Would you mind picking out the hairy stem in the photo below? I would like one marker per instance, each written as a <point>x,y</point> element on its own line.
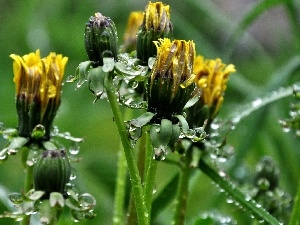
<point>150,173</point>
<point>118,218</point>
<point>28,183</point>
<point>183,190</point>
<point>137,189</point>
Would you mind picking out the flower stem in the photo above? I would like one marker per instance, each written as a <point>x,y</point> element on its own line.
<point>142,212</point>
<point>120,189</point>
<point>150,173</point>
<point>28,183</point>
<point>295,217</point>
<point>183,190</point>
<point>237,195</point>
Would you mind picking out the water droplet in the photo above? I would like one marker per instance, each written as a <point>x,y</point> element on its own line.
<point>12,152</point>
<point>77,215</point>
<point>73,174</point>
<point>160,153</point>
<point>257,102</point>
<point>16,198</point>
<point>86,201</point>
<point>74,149</point>
<point>229,200</point>
<point>134,132</point>
<point>32,157</point>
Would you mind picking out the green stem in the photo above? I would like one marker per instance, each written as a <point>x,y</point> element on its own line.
<point>142,212</point>
<point>183,191</point>
<point>295,217</point>
<point>131,218</point>
<point>151,167</point>
<point>237,195</point>
<point>28,183</point>
<point>118,218</point>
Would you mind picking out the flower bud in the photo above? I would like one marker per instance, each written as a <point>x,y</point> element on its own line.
<point>101,39</point>
<point>267,170</point>
<point>134,21</point>
<point>156,25</point>
<point>52,172</point>
<point>171,81</point>
<point>211,81</point>
<point>38,87</point>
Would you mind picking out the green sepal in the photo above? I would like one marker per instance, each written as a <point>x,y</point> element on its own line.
<point>183,123</point>
<point>17,143</point>
<point>142,120</point>
<point>81,73</point>
<point>48,145</point>
<point>165,132</point>
<point>96,79</point>
<point>108,64</point>
<point>175,134</point>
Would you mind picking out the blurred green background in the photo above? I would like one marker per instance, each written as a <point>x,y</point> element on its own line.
<point>266,56</point>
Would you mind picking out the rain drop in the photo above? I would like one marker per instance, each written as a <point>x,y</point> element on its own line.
<point>86,201</point>
<point>16,198</point>
<point>77,215</point>
<point>73,174</point>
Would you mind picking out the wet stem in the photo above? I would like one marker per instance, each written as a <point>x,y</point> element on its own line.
<point>28,183</point>
<point>137,189</point>
<point>183,190</point>
<point>248,204</point>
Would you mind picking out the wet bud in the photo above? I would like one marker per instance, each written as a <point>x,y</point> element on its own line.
<point>171,81</point>
<point>156,25</point>
<point>211,81</point>
<point>38,87</point>
<point>134,22</point>
<point>52,172</point>
<point>101,39</point>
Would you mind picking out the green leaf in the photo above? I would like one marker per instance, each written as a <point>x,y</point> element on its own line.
<point>165,197</point>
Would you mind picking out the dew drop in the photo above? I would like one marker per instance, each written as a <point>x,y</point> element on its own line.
<point>73,174</point>
<point>12,152</point>
<point>257,102</point>
<point>74,149</point>
<point>16,198</point>
<point>77,216</point>
<point>86,201</point>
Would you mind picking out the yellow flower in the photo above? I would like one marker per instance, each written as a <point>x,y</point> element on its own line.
<point>157,16</point>
<point>171,77</point>
<point>135,20</point>
<point>156,25</point>
<point>38,86</point>
<point>211,79</point>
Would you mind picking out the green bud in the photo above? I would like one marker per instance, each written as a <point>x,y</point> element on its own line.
<point>101,39</point>
<point>156,25</point>
<point>52,172</point>
<point>267,170</point>
<point>171,81</point>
